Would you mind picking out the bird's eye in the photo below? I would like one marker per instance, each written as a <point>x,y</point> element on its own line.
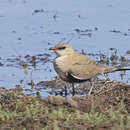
<point>61,48</point>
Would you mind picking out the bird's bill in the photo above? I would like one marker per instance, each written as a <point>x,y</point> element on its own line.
<point>52,48</point>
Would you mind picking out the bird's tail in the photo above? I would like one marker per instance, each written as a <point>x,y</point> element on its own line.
<point>122,69</point>
<point>114,69</point>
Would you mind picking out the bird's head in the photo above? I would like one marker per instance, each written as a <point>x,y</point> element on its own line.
<point>62,49</point>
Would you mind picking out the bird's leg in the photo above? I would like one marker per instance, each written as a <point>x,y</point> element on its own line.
<point>65,91</point>
<point>73,89</point>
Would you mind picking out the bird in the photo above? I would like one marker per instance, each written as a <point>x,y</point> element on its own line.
<point>74,67</point>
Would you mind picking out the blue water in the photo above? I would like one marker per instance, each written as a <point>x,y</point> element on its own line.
<point>22,31</point>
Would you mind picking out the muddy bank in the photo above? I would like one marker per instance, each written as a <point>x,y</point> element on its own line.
<point>108,109</point>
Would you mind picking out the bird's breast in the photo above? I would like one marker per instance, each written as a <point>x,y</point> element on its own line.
<point>62,63</point>
<point>61,67</point>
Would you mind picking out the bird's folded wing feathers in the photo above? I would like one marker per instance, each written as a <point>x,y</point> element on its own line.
<point>84,71</point>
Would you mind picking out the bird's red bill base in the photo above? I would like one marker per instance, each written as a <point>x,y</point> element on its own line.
<point>53,48</point>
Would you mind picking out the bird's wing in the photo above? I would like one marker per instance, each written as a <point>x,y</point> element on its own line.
<point>87,71</point>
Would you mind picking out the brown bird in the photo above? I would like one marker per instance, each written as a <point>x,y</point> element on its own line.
<point>74,67</point>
